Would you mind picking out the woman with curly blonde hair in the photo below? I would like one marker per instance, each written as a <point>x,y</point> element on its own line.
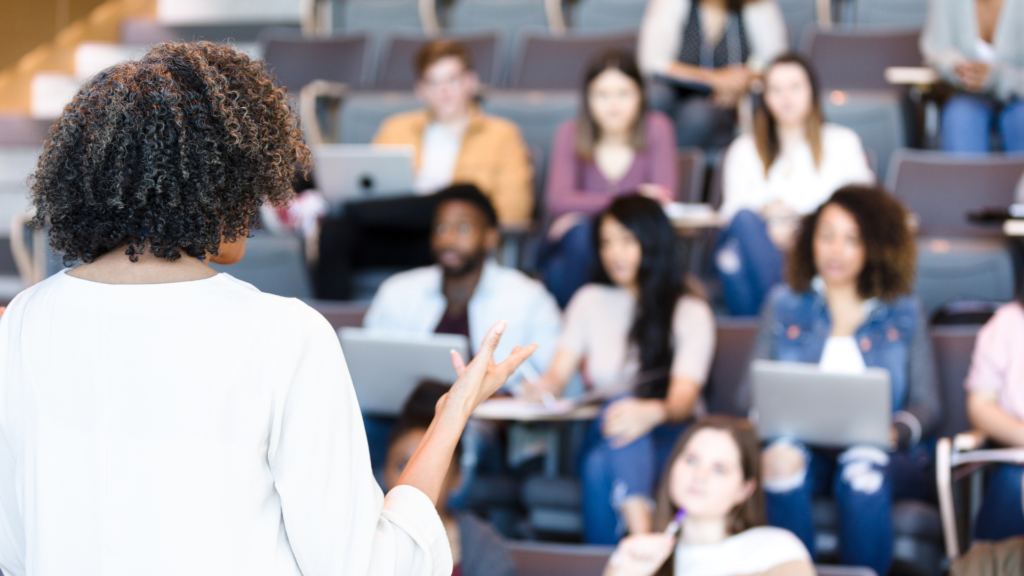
<point>847,306</point>
<point>158,417</point>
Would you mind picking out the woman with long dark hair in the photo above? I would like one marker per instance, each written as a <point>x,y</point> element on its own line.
<point>792,162</point>
<point>158,417</point>
<point>714,475</point>
<point>645,341</point>
<point>615,147</point>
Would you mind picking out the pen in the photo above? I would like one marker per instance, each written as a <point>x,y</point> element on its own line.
<point>673,527</point>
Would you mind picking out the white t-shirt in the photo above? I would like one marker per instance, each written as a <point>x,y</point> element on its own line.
<point>439,154</point>
<point>190,428</point>
<point>597,324</point>
<point>794,179</point>
<point>749,552</point>
<point>841,354</point>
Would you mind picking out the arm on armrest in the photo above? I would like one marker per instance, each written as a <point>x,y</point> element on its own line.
<point>970,440</point>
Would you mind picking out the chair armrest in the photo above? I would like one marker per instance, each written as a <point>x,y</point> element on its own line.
<point>970,440</point>
<point>308,97</point>
<point>911,75</point>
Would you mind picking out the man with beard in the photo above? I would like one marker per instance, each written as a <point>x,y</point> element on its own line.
<point>467,291</point>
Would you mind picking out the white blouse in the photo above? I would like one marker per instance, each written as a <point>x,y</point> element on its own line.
<point>750,552</point>
<point>190,428</point>
<point>794,179</point>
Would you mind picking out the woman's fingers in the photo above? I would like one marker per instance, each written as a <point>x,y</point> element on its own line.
<point>458,363</point>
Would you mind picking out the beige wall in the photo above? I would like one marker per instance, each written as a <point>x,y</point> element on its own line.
<point>25,24</point>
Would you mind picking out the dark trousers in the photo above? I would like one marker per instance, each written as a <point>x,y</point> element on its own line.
<point>392,233</point>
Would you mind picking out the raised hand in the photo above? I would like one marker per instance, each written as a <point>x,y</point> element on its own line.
<point>482,377</point>
<point>640,555</point>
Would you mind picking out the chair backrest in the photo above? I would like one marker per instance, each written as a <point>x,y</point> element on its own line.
<point>512,19</point>
<point>275,264</point>
<point>889,13</point>
<point>396,67</point>
<point>942,188</point>
<point>856,59</point>
<point>609,15</point>
<point>145,31</point>
<point>363,112</point>
<point>377,17</point>
<point>547,559</point>
<point>691,164</point>
<point>19,130</point>
<point>537,114</point>
<point>299,61</point>
<point>558,63</point>
<point>799,16</point>
<point>734,343</point>
<point>876,116</point>
<point>954,346</point>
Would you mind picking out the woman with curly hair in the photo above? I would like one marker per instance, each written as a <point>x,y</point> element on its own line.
<point>157,417</point>
<point>848,306</point>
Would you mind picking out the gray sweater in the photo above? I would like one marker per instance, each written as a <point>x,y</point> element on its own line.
<point>950,36</point>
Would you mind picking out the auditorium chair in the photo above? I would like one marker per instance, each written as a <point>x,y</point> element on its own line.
<point>608,15</point>
<point>297,61</point>
<point>559,62</point>
<point>856,59</point>
<point>274,263</point>
<point>511,18</point>
<point>876,116</point>
<point>957,260</point>
<point>397,71</point>
<point>909,14</point>
<point>146,31</point>
<point>691,165</point>
<point>536,113</point>
<point>380,20</point>
<point>362,113</point>
<point>799,15</point>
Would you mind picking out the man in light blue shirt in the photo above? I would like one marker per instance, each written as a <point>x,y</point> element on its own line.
<point>466,292</point>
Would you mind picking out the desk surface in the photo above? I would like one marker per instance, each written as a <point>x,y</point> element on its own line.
<point>520,411</point>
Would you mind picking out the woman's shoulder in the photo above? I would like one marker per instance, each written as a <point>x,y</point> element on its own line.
<point>1008,320</point>
<point>836,135</point>
<point>778,544</point>
<point>657,122</point>
<point>742,150</point>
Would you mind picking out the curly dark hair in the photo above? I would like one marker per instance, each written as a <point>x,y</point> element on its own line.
<point>889,250</point>
<point>173,153</point>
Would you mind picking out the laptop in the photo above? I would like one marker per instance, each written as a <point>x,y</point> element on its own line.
<point>354,172</point>
<point>386,367</point>
<point>801,402</point>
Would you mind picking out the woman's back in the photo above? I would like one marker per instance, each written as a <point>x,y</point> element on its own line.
<point>166,425</point>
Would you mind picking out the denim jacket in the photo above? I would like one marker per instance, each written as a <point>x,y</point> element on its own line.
<point>794,327</point>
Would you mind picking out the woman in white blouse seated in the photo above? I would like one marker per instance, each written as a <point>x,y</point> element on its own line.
<point>713,474</point>
<point>788,167</point>
<point>646,341</point>
<point>159,418</point>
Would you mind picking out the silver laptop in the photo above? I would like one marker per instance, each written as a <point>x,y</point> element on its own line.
<point>353,172</point>
<point>828,409</point>
<point>386,367</point>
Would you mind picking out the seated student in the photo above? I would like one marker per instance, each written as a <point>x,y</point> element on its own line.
<point>848,306</point>
<point>995,405</point>
<point>976,46</point>
<point>792,163</point>
<point>465,292</point>
<point>477,549</point>
<point>720,43</point>
<point>454,144</point>
<point>714,475</point>
<point>646,340</point>
<point>614,148</point>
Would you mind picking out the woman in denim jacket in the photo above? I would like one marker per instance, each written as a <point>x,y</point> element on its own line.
<point>848,306</point>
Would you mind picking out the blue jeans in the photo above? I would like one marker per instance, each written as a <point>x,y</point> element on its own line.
<point>1001,515</point>
<point>567,264</point>
<point>748,263</point>
<point>864,483</point>
<point>967,121</point>
<point>611,475</point>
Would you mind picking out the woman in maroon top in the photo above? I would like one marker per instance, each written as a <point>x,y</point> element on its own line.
<point>615,147</point>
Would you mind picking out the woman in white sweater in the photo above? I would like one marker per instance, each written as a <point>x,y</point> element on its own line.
<point>703,55</point>
<point>788,167</point>
<point>159,418</point>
